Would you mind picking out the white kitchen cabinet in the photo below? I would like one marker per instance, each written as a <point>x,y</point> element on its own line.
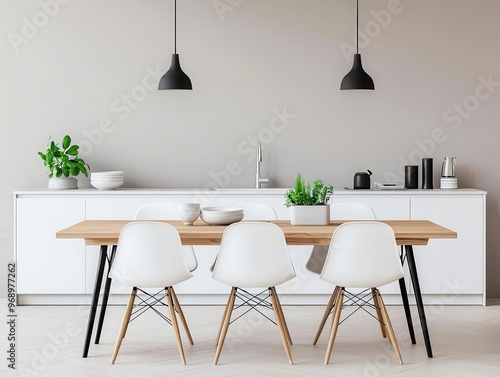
<point>452,268</point>
<point>386,207</point>
<point>54,270</point>
<point>46,265</point>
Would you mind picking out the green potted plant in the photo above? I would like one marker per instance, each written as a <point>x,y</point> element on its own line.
<point>63,164</point>
<point>309,203</point>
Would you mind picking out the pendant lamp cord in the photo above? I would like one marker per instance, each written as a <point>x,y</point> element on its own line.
<point>175,26</point>
<point>357,27</point>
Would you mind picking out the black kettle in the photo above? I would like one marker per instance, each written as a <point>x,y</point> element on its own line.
<point>362,180</point>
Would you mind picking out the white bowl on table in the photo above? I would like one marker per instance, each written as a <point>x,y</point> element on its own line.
<point>221,215</point>
<point>189,212</point>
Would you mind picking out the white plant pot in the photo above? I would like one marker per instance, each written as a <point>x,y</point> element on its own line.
<point>310,215</point>
<point>63,183</point>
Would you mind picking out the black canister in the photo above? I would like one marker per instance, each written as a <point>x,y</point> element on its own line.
<point>427,174</point>
<point>411,176</point>
<point>362,180</point>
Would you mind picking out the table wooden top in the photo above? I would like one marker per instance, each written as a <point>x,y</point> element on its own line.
<point>106,232</point>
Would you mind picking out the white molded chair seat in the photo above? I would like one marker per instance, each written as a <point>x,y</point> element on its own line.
<point>252,255</point>
<point>338,211</point>
<point>361,255</point>
<point>149,254</point>
<point>167,211</point>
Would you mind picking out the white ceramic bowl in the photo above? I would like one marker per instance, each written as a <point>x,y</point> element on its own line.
<point>106,179</point>
<point>189,207</point>
<point>189,216</point>
<point>222,209</point>
<point>221,215</point>
<point>100,185</point>
<point>108,173</point>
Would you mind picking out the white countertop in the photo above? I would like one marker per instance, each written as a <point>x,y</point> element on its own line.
<point>236,191</point>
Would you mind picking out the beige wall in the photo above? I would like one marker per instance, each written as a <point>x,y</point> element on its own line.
<point>266,70</point>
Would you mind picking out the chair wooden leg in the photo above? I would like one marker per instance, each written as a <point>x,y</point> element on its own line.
<point>282,315</point>
<point>181,315</point>
<point>335,324</point>
<point>377,305</point>
<point>125,321</point>
<point>225,324</point>
<point>223,317</point>
<point>328,309</point>
<point>390,330</point>
<point>175,325</point>
<point>281,324</point>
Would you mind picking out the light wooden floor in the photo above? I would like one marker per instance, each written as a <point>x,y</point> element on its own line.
<point>466,342</point>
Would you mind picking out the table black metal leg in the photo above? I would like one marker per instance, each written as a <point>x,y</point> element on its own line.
<point>105,297</point>
<point>95,298</point>
<point>406,304</point>
<point>418,297</point>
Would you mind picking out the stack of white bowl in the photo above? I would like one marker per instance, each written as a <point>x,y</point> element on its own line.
<point>107,180</point>
<point>449,182</point>
<point>221,215</point>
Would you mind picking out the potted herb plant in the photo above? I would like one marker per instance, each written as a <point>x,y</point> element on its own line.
<point>63,164</point>
<point>309,203</point>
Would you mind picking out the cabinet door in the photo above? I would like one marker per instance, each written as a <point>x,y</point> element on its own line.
<point>385,207</point>
<point>47,265</point>
<point>449,267</point>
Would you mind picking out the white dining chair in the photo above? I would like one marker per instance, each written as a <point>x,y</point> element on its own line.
<point>338,211</point>
<point>149,254</point>
<point>253,255</point>
<point>167,211</point>
<point>254,212</point>
<point>361,254</point>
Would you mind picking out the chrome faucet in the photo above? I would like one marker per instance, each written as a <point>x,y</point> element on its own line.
<point>258,178</point>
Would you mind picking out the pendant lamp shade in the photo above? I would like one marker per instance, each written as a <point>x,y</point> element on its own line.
<point>357,78</point>
<point>175,78</point>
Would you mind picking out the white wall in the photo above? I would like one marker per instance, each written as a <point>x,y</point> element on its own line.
<point>429,59</point>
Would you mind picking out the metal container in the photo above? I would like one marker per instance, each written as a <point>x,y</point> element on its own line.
<point>449,168</point>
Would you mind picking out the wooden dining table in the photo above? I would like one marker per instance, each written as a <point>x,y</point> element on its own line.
<point>105,233</point>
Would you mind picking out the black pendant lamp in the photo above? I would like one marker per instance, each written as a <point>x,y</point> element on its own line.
<point>175,78</point>
<point>357,78</point>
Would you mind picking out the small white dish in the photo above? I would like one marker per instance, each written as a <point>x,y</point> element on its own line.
<point>108,173</point>
<point>106,185</point>
<point>448,183</point>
